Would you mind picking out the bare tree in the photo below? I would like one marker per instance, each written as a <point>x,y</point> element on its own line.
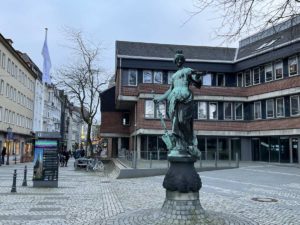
<point>239,17</point>
<point>82,79</point>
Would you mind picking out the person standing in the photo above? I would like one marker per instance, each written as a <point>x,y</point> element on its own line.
<point>3,153</point>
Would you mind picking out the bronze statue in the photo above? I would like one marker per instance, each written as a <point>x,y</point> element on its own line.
<point>182,142</point>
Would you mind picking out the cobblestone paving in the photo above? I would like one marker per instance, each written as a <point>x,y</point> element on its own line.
<point>92,198</point>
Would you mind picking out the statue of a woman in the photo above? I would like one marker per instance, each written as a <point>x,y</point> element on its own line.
<point>182,142</point>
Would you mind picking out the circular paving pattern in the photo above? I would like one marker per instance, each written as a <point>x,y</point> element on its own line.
<point>155,217</point>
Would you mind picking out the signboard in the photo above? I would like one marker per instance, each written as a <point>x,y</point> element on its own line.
<point>45,169</point>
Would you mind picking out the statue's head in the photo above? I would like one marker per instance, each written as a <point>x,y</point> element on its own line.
<point>179,59</point>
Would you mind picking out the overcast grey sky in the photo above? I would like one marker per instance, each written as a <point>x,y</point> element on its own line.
<point>104,21</point>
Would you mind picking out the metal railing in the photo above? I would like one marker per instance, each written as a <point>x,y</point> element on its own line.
<point>159,159</point>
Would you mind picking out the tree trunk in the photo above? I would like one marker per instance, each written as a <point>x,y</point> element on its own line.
<point>88,139</point>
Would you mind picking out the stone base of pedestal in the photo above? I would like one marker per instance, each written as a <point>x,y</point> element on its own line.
<point>186,210</point>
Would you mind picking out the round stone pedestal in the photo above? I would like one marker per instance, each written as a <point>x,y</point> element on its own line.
<point>182,206</point>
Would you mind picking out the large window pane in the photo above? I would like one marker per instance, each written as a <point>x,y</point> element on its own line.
<point>257,110</point>
<point>239,81</point>
<point>207,79</point>
<point>280,107</point>
<point>211,148</point>
<point>294,105</point>
<point>202,110</point>
<point>161,108</point>
<point>227,110</point>
<point>132,77</point>
<point>278,70</point>
<point>293,66</point>
<point>213,110</point>
<point>223,148</point>
<point>239,111</point>
<point>274,149</point>
<point>147,76</point>
<point>158,77</point>
<point>270,108</point>
<point>247,78</point>
<point>149,109</point>
<point>268,72</point>
<point>256,76</point>
<point>220,79</point>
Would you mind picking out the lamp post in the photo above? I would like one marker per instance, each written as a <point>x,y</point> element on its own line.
<point>9,137</point>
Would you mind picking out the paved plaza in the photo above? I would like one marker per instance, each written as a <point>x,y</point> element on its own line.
<point>95,198</point>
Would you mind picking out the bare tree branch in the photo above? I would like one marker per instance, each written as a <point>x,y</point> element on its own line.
<point>240,17</point>
<point>82,79</point>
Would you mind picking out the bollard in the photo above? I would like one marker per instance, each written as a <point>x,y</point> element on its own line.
<point>237,160</point>
<point>150,159</point>
<point>14,188</point>
<point>24,184</point>
<point>15,159</point>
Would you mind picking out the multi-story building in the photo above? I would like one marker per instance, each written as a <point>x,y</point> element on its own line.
<point>38,99</point>
<point>17,86</point>
<point>249,103</point>
<point>52,109</point>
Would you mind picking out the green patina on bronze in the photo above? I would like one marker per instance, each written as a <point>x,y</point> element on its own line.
<point>181,142</point>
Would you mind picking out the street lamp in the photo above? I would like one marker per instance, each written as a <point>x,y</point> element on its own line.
<point>9,137</point>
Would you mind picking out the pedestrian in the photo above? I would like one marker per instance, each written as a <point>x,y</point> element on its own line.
<point>67,156</point>
<point>3,153</point>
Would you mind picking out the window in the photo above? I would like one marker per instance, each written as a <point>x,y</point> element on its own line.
<point>132,77</point>
<point>256,77</point>
<point>228,111</point>
<point>161,109</point>
<point>220,79</point>
<point>207,79</point>
<point>202,110</point>
<point>8,65</point>
<point>247,78</point>
<point>147,76</point>
<point>293,66</point>
<point>257,110</point>
<point>280,107</point>
<point>2,87</point>
<point>149,109</point>
<point>278,70</point>
<point>6,115</point>
<point>213,111</point>
<point>239,111</point>
<point>294,105</point>
<point>7,90</point>
<point>170,74</point>
<point>3,60</point>
<point>158,77</point>
<point>270,108</point>
<point>268,72</point>
<point>239,80</point>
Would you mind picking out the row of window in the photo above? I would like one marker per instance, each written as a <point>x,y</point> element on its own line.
<point>13,118</point>
<point>16,72</point>
<point>16,96</point>
<point>206,110</point>
<point>272,71</point>
<point>275,108</point>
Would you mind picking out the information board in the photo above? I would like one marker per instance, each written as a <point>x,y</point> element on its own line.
<point>45,170</point>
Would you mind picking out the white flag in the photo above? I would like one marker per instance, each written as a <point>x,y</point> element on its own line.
<point>47,62</point>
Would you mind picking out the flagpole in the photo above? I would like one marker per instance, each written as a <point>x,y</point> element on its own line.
<point>43,89</point>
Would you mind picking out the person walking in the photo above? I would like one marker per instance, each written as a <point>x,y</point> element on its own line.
<point>3,153</point>
<point>67,157</point>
